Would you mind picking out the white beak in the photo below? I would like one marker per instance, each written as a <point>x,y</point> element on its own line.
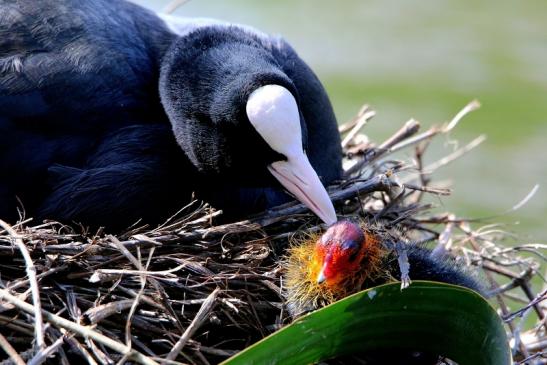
<point>298,177</point>
<point>321,277</point>
<point>273,112</point>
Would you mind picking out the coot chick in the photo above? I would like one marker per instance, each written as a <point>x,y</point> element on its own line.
<point>347,258</point>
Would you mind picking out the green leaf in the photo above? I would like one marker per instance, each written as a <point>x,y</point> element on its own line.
<point>427,316</point>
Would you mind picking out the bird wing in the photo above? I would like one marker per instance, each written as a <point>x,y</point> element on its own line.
<point>73,57</point>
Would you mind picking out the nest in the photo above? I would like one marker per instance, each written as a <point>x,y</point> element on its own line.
<point>191,291</point>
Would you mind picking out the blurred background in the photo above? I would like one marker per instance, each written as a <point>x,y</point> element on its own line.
<point>426,60</point>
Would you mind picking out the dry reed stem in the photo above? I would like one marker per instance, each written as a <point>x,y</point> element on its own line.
<point>76,328</point>
<point>31,274</point>
<point>198,320</point>
<point>8,349</point>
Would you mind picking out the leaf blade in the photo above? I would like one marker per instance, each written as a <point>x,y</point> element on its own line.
<point>434,317</point>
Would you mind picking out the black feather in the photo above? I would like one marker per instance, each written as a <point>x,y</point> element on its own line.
<point>86,137</point>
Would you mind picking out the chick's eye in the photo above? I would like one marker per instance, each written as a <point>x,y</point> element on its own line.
<point>350,245</point>
<point>352,248</point>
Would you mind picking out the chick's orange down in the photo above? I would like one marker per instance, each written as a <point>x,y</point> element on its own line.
<point>348,258</point>
<point>326,268</point>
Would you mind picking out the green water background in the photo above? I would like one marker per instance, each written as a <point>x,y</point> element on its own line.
<point>426,60</point>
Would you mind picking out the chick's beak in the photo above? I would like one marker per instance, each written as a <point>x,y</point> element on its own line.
<point>323,257</point>
<point>321,277</point>
<point>298,176</point>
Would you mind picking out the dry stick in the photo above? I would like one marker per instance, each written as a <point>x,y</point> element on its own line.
<point>419,152</point>
<point>138,297</point>
<point>33,282</point>
<point>42,355</point>
<point>347,126</point>
<point>514,283</point>
<point>528,292</point>
<point>198,320</point>
<point>532,357</point>
<point>171,220</point>
<point>174,5</point>
<point>146,299</point>
<point>514,208</point>
<point>522,281</point>
<point>8,349</point>
<point>18,224</point>
<point>99,274</point>
<point>79,347</point>
<point>17,325</point>
<point>449,158</point>
<point>541,297</point>
<point>97,314</point>
<point>494,284</point>
<point>80,330</point>
<point>433,131</point>
<point>99,354</point>
<point>471,106</point>
<point>427,189</point>
<point>165,301</point>
<point>125,252</point>
<point>137,263</point>
<point>172,362</point>
<point>18,284</point>
<point>361,122</point>
<point>201,357</point>
<point>254,224</point>
<point>143,346</point>
<point>455,155</point>
<point>408,129</point>
<point>445,240</point>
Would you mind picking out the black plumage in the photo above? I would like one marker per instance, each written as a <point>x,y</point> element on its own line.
<point>107,116</point>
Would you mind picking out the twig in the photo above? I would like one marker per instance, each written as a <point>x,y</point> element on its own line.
<point>532,357</point>
<point>347,126</point>
<point>97,314</point>
<point>42,355</point>
<point>409,128</point>
<point>174,5</point>
<point>8,349</point>
<point>33,282</point>
<point>361,122</point>
<point>455,155</point>
<point>198,320</point>
<point>445,240</point>
<point>433,131</point>
<point>471,106</point>
<point>78,347</point>
<point>81,330</point>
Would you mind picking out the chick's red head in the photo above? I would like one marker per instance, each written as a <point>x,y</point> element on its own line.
<point>338,253</point>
